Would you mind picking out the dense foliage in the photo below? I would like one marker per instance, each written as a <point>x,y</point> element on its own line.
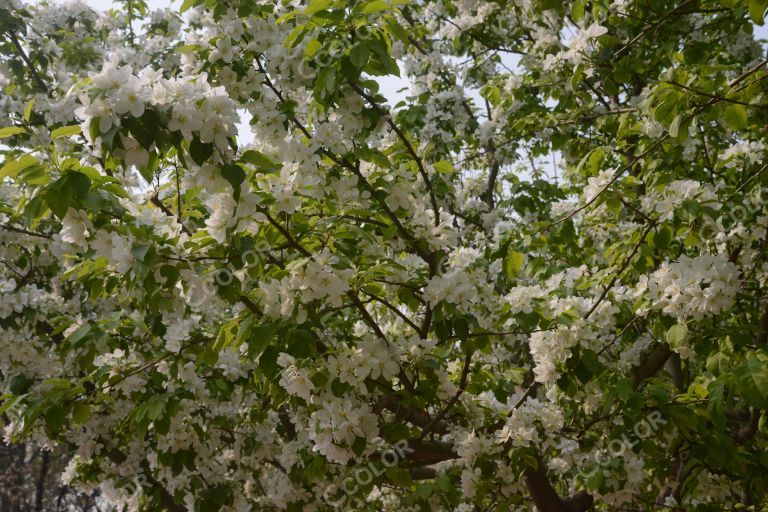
<point>537,282</point>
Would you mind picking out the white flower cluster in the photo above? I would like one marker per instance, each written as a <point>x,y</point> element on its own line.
<point>369,359</point>
<point>318,279</point>
<point>178,328</point>
<point>666,202</point>
<point>751,152</point>
<point>295,380</point>
<point>114,247</point>
<point>334,427</point>
<point>522,425</point>
<point>228,213</point>
<point>194,106</point>
<point>596,184</point>
<point>233,363</point>
<point>23,351</point>
<point>15,297</point>
<point>691,288</point>
<point>579,46</point>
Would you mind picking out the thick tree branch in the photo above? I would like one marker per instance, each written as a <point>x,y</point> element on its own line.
<point>652,363</point>
<point>545,496</point>
<point>410,414</point>
<point>426,453</point>
<point>40,485</point>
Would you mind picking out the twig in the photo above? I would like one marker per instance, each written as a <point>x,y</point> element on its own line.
<point>618,273</point>
<point>647,29</point>
<point>35,75</point>
<point>157,202</point>
<point>408,147</point>
<point>452,401</point>
<point>25,232</point>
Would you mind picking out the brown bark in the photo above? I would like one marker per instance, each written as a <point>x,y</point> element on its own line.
<point>40,485</point>
<point>545,496</point>
<point>652,363</point>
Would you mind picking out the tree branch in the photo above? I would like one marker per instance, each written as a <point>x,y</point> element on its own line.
<point>408,147</point>
<point>35,75</point>
<point>452,401</point>
<point>546,498</point>
<point>652,363</point>
<point>157,202</point>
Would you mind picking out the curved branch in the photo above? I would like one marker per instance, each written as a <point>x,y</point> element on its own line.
<point>408,147</point>
<point>655,360</point>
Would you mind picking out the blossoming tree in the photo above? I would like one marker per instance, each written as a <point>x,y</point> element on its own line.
<point>535,283</point>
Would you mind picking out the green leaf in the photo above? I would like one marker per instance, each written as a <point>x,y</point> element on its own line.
<point>757,10</point>
<point>752,378</point>
<point>200,152</point>
<point>55,417</point>
<point>20,384</point>
<point>259,160</point>
<point>145,128</point>
<point>375,6</point>
<point>156,407</point>
<point>28,109</point>
<point>140,251</point>
<point>78,182</point>
<point>663,237</point>
<point>718,363</point>
<point>358,446</point>
<point>596,159</point>
<point>577,10</point>
<point>65,131</point>
<point>10,131</point>
<point>444,167</point>
<point>716,391</point>
<point>81,413</point>
<point>614,204</point>
<point>358,55</point>
<point>10,402</point>
<point>592,160</point>
<point>234,174</point>
<point>12,168</point>
<point>514,263</point>
<point>676,335</point>
<point>188,4</point>
<point>58,203</point>
<point>268,362</point>
<point>674,128</point>
<point>736,116</point>
<point>595,479</point>
<point>317,6</point>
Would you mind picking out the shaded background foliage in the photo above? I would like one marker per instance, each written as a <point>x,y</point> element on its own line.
<point>29,482</point>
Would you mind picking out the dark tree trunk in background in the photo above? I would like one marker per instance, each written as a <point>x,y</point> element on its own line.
<point>40,490</point>
<point>31,483</point>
